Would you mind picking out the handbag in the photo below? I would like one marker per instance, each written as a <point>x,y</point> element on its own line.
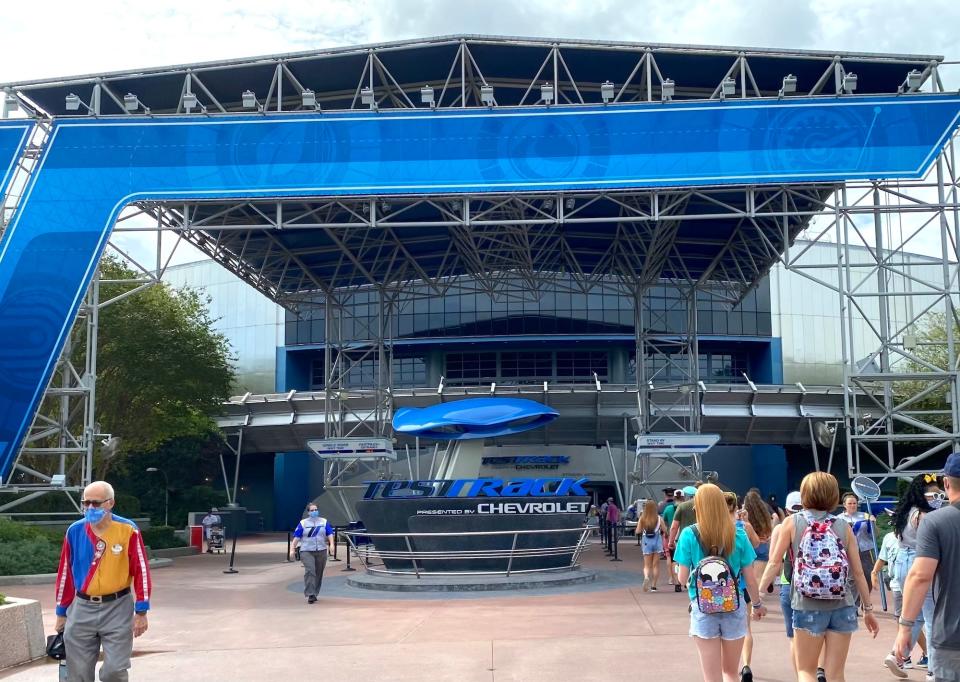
<point>55,647</point>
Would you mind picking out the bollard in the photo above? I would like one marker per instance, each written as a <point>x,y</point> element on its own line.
<point>289,541</point>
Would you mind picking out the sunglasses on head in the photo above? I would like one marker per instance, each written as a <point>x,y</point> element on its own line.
<point>91,503</point>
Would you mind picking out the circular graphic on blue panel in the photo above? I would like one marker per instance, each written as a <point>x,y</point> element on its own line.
<point>820,140</point>
<point>282,155</point>
<point>540,150</point>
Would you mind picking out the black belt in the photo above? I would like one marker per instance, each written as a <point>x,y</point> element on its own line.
<point>103,598</point>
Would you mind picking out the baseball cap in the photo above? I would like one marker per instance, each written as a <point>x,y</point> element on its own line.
<point>794,503</point>
<point>668,491</point>
<point>952,467</point>
<point>689,491</point>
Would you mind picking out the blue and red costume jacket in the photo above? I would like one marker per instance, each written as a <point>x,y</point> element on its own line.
<point>103,565</point>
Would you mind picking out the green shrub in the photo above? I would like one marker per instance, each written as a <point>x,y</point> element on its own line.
<point>161,537</point>
<point>26,557</point>
<point>127,505</point>
<point>3,599</point>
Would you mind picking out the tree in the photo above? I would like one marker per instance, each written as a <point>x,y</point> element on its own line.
<point>162,370</point>
<point>931,354</point>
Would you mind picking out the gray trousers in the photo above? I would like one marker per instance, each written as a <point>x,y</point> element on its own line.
<point>90,626</point>
<point>313,565</point>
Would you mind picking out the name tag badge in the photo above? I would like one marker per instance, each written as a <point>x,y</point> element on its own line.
<point>117,549</point>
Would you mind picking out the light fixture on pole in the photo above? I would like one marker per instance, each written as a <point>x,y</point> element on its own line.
<point>72,102</point>
<point>368,97</point>
<point>308,98</point>
<point>914,79</point>
<point>10,101</point>
<point>249,100</point>
<point>667,89</point>
<point>486,95</point>
<point>131,102</point>
<point>427,96</point>
<point>166,493</point>
<point>789,85</point>
<point>190,102</point>
<point>849,82</point>
<point>606,91</point>
<point>546,93</point>
<point>728,87</point>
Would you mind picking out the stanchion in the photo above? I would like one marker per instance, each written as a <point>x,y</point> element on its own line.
<point>616,546</point>
<point>347,567</point>
<point>336,535</point>
<point>289,541</point>
<point>233,552</point>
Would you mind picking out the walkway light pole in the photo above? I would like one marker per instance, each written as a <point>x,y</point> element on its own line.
<point>166,494</point>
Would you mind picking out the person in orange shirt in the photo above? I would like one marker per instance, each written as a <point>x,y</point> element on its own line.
<point>102,562</point>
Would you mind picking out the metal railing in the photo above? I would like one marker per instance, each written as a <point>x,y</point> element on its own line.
<point>375,559</point>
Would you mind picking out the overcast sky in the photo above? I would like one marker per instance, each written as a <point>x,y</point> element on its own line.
<point>72,37</point>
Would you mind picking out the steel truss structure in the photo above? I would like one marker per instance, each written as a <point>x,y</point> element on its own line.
<point>517,245</point>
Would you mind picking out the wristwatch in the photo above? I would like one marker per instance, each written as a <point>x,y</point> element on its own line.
<point>906,623</point>
<point>867,608</point>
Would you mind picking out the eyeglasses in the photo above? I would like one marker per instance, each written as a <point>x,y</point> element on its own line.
<point>935,496</point>
<point>92,503</point>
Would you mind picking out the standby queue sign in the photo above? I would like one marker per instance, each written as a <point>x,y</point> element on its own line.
<point>552,495</point>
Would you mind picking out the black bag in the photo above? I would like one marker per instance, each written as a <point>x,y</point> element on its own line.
<point>55,648</point>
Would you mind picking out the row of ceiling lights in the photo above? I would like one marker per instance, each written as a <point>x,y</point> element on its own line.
<point>728,87</point>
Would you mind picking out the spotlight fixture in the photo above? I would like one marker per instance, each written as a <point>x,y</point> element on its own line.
<point>249,99</point>
<point>368,97</point>
<point>569,203</point>
<point>667,89</point>
<point>548,204</point>
<point>308,98</point>
<point>486,95</point>
<point>426,96</point>
<point>914,79</point>
<point>131,102</point>
<point>789,85</point>
<point>72,102</point>
<point>606,91</point>
<point>10,101</point>
<point>728,87</point>
<point>189,101</point>
<point>546,93</point>
<point>849,82</point>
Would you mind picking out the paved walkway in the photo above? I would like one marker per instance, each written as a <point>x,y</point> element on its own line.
<point>255,625</point>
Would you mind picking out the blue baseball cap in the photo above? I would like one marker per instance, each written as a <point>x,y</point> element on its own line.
<point>689,491</point>
<point>952,467</point>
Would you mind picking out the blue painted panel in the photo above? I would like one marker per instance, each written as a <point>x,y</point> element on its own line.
<point>91,168</point>
<point>473,418</point>
<point>13,138</point>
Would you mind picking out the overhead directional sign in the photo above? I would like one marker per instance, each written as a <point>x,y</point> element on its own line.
<point>353,448</point>
<point>675,444</point>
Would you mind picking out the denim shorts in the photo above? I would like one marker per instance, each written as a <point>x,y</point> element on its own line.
<point>723,625</point>
<point>842,620</point>
<point>787,608</point>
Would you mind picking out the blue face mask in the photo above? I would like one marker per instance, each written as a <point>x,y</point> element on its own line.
<point>94,514</point>
<point>314,513</point>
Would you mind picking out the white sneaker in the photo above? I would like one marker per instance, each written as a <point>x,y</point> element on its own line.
<point>894,666</point>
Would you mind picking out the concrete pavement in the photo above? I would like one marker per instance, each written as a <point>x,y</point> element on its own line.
<point>256,625</point>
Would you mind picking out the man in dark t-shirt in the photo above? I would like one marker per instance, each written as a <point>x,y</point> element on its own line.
<point>667,499</point>
<point>937,563</point>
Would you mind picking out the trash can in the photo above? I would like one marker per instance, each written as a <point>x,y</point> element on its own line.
<point>195,537</point>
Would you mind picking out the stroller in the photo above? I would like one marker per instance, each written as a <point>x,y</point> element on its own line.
<point>215,541</point>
